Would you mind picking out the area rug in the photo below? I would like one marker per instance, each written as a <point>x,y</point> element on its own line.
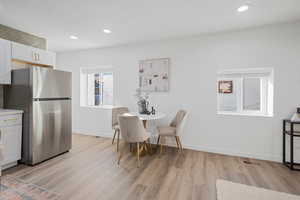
<point>15,189</point>
<point>227,190</point>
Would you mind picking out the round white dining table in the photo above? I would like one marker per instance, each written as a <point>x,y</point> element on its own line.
<point>146,118</point>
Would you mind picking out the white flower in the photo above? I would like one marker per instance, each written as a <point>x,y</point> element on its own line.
<point>141,95</point>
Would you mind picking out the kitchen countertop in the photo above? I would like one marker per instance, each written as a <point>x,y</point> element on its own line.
<point>10,112</point>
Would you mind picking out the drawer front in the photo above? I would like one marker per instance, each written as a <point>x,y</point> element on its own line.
<point>11,120</point>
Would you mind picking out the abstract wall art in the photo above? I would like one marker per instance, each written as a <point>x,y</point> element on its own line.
<point>154,75</point>
<point>225,87</point>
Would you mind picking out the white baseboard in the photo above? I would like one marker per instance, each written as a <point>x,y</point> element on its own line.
<point>233,153</point>
<point>205,149</point>
<point>98,134</point>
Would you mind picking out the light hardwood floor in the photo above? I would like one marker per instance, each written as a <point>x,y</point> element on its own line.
<point>90,171</point>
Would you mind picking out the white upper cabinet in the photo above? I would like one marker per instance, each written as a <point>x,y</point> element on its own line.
<point>45,57</point>
<point>5,61</point>
<point>32,55</point>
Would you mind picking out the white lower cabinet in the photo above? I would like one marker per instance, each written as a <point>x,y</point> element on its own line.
<point>11,139</point>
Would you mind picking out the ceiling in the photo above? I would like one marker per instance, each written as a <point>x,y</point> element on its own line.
<point>135,21</point>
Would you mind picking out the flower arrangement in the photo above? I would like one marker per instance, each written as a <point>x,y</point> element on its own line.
<point>140,95</point>
<point>142,102</point>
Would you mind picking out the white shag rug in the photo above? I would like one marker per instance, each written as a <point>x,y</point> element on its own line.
<point>227,190</point>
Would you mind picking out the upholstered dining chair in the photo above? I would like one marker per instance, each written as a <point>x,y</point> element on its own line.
<point>115,125</point>
<point>133,131</point>
<point>175,129</point>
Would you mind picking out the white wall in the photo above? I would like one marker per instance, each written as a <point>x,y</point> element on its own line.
<point>194,65</point>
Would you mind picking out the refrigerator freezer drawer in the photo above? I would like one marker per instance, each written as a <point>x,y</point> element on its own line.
<point>51,130</point>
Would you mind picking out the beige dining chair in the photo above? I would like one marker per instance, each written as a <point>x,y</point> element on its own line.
<point>175,129</point>
<point>115,125</point>
<point>133,131</point>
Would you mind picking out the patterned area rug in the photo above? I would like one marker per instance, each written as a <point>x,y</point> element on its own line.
<point>15,189</point>
<point>227,190</point>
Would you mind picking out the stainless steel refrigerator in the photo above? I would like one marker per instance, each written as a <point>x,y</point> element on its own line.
<point>45,97</point>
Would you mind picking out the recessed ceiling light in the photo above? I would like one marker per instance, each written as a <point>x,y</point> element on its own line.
<point>73,37</point>
<point>106,31</point>
<point>243,8</point>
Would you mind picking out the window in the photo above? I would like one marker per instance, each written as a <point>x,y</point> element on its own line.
<point>96,87</point>
<point>246,92</point>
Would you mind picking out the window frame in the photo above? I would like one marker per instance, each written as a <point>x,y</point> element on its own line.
<point>84,87</point>
<point>265,75</point>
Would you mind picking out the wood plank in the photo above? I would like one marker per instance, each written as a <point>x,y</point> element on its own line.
<point>90,171</point>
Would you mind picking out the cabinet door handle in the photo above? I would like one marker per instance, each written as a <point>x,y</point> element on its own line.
<point>10,119</point>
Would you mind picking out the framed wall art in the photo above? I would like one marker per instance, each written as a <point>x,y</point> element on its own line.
<point>225,87</point>
<point>154,75</point>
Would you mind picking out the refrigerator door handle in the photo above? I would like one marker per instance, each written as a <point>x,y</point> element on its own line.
<point>51,99</point>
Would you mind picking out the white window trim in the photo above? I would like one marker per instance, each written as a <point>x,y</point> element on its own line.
<point>266,76</point>
<point>84,82</point>
<point>100,106</point>
<point>243,114</point>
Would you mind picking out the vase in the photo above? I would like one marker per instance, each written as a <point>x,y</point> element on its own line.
<point>295,117</point>
<point>143,106</point>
